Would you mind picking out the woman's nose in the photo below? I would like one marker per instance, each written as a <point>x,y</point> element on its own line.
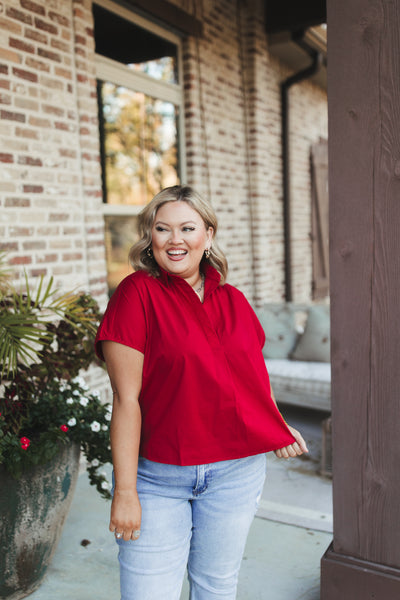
<point>175,237</point>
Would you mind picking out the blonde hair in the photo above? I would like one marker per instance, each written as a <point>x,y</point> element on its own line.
<point>138,256</point>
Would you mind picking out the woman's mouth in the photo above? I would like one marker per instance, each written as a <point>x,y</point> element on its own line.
<point>176,254</point>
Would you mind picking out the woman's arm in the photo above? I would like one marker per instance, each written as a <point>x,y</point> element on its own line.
<point>125,369</point>
<point>295,449</point>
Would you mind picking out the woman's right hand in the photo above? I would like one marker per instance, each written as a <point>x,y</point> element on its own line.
<point>126,514</point>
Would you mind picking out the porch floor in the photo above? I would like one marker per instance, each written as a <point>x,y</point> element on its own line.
<point>282,558</point>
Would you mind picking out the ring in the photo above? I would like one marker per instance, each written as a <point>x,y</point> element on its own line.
<point>118,535</point>
<point>136,533</point>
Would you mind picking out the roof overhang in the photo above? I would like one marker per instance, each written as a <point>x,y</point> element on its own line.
<point>294,29</point>
<point>293,15</point>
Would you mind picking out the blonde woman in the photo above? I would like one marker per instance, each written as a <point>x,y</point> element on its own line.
<point>193,412</point>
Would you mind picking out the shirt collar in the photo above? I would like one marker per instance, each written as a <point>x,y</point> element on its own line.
<point>212,278</point>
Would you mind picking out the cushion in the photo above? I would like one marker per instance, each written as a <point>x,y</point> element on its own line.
<point>315,342</point>
<point>278,322</point>
<point>301,383</point>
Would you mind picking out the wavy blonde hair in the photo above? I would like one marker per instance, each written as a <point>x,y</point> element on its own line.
<point>138,256</point>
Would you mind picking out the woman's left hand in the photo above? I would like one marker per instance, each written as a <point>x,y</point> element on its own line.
<point>295,449</point>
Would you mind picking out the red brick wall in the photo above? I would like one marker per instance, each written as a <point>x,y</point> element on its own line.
<point>49,183</point>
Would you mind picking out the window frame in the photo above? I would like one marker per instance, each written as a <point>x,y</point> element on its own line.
<point>107,69</point>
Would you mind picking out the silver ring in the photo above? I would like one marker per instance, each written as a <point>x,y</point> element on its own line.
<point>118,535</point>
<point>136,533</point>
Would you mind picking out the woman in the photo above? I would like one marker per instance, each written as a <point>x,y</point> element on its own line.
<point>193,410</point>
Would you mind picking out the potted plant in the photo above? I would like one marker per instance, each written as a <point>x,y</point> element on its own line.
<point>48,415</point>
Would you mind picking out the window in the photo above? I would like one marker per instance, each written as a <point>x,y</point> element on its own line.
<point>139,144</point>
<point>141,122</point>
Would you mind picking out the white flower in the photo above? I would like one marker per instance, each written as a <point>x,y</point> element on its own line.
<point>72,422</point>
<point>70,400</point>
<point>109,408</point>
<point>76,393</point>
<point>107,417</point>
<point>95,462</point>
<point>105,485</point>
<point>104,427</point>
<point>96,394</point>
<point>64,384</point>
<point>80,381</point>
<point>95,426</point>
<point>84,401</point>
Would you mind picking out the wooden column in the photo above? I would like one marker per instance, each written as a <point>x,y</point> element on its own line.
<point>364,178</point>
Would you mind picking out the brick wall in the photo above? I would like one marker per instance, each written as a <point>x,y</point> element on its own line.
<point>234,147</point>
<point>216,131</point>
<point>49,180</point>
<point>50,190</point>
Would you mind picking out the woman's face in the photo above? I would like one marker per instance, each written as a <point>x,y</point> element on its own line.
<point>179,238</point>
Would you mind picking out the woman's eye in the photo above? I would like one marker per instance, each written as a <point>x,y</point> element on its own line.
<point>159,228</point>
<point>188,229</point>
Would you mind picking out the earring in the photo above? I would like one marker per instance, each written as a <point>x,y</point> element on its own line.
<point>207,252</point>
<point>149,252</point>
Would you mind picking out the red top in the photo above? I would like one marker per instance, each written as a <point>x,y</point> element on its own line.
<point>205,394</point>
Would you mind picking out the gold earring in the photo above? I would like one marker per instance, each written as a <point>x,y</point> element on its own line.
<point>207,252</point>
<point>149,252</point>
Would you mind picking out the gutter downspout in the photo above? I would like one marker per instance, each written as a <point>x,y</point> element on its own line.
<point>285,86</point>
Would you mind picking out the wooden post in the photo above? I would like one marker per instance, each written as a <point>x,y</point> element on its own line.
<point>364,178</point>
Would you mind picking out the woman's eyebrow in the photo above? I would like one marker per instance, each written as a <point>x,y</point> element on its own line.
<point>168,224</point>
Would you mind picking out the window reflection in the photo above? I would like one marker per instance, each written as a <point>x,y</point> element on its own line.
<point>120,235</point>
<point>140,145</point>
<point>163,69</point>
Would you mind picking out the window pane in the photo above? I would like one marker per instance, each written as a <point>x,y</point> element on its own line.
<point>134,46</point>
<point>140,145</point>
<point>120,235</point>
<point>163,69</point>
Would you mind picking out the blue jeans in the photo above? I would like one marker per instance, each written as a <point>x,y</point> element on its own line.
<point>195,517</point>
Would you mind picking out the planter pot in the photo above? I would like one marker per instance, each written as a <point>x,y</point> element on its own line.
<point>33,510</point>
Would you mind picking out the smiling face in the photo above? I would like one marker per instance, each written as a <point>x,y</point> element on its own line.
<point>179,238</point>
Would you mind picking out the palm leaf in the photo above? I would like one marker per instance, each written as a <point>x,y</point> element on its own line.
<point>19,334</point>
<point>4,275</point>
<point>26,316</point>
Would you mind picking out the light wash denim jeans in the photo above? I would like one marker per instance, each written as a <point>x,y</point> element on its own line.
<point>195,517</point>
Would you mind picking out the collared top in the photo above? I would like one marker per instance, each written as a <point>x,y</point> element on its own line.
<point>205,394</point>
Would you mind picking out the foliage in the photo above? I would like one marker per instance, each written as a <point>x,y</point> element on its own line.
<point>33,427</point>
<point>45,341</point>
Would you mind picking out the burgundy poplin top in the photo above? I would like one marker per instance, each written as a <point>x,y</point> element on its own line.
<point>205,394</point>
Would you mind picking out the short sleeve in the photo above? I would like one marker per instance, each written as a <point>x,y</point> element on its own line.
<point>125,318</point>
<point>259,329</point>
<point>243,308</point>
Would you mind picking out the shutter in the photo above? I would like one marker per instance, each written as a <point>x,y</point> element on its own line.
<point>320,219</point>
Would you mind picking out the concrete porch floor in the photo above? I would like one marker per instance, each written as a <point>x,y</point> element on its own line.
<point>288,537</point>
